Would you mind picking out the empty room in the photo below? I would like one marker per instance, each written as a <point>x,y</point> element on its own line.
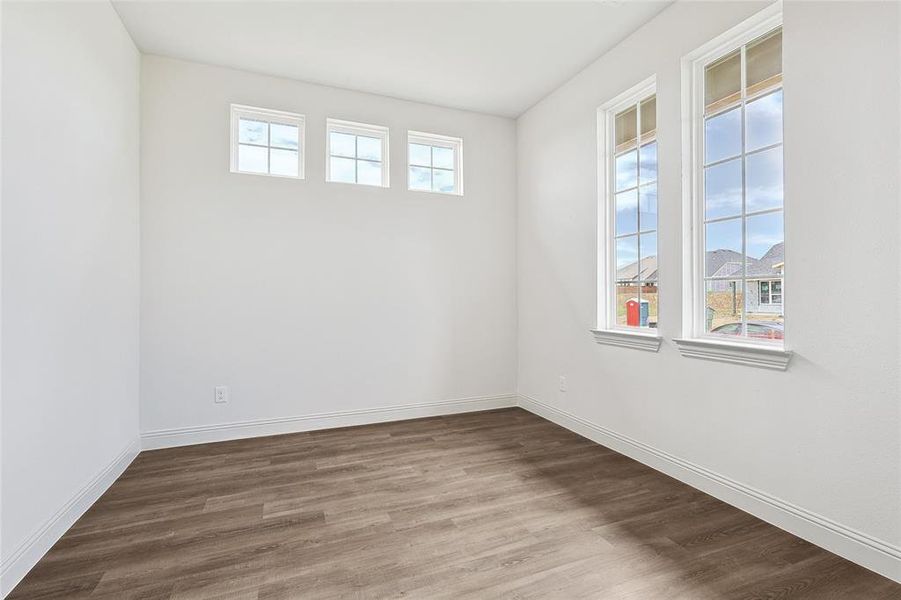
<point>450,300</point>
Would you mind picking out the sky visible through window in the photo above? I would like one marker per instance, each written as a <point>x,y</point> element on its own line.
<point>432,168</point>
<point>268,148</point>
<point>355,158</point>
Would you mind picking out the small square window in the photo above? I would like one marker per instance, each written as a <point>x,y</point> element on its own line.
<point>434,163</point>
<point>357,153</point>
<point>266,142</point>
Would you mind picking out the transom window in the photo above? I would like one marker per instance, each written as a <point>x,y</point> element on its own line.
<point>738,209</point>
<point>628,129</point>
<point>266,142</point>
<point>357,153</point>
<point>434,163</point>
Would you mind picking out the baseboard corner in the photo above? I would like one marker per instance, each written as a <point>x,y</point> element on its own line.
<point>30,551</point>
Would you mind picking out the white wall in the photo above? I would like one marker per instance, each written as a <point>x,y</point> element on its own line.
<point>306,297</point>
<point>70,265</point>
<point>823,436</point>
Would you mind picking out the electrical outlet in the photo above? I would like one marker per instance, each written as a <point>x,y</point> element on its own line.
<point>221,396</point>
<point>562,383</point>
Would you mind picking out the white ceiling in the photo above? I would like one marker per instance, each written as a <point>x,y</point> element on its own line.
<point>492,57</point>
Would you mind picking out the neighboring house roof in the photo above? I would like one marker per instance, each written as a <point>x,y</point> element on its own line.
<point>771,264</point>
<point>723,263</point>
<point>631,272</point>
<point>719,263</point>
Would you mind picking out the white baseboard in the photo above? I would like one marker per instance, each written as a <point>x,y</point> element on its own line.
<point>186,436</point>
<point>23,558</point>
<point>874,554</point>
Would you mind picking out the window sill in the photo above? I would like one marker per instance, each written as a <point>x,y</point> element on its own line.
<point>627,339</point>
<point>739,354</point>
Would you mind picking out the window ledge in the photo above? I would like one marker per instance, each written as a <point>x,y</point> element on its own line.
<point>627,339</point>
<point>739,354</point>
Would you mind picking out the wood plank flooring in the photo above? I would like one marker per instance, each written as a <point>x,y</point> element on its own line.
<point>498,504</point>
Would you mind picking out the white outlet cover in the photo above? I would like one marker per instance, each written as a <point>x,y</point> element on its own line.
<point>221,395</point>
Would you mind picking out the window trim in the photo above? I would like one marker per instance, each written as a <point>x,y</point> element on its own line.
<point>441,141</point>
<point>279,117</point>
<point>608,332</point>
<point>695,342</point>
<point>357,129</point>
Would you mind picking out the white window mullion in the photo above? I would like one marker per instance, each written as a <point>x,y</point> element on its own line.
<point>744,188</point>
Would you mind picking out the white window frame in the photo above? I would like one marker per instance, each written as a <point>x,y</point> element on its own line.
<point>608,332</point>
<point>696,342</point>
<point>358,129</point>
<point>239,111</point>
<point>441,141</point>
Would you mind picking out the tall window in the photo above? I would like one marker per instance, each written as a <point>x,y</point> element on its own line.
<point>629,137</point>
<point>266,142</point>
<point>434,163</point>
<point>738,209</point>
<point>357,153</point>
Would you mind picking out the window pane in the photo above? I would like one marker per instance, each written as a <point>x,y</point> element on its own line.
<point>369,173</point>
<point>648,117</point>
<point>764,180</point>
<point>764,311</point>
<point>342,170</point>
<point>722,136</point>
<point>647,245</point>
<point>647,205</point>
<point>723,247</point>
<point>253,132</point>
<point>283,162</point>
<point>625,291</point>
<point>724,306</point>
<point>443,180</point>
<point>252,159</point>
<point>764,117</point>
<point>765,330</point>
<point>626,170</point>
<point>722,81</point>
<point>649,295</point>
<point>764,57</point>
<point>625,129</point>
<point>342,144</point>
<point>420,179</point>
<point>765,244</point>
<point>369,148</point>
<point>443,158</point>
<point>722,189</point>
<point>633,304</point>
<point>648,163</point>
<point>627,257</point>
<point>420,155</point>
<point>283,136</point>
<point>626,212</point>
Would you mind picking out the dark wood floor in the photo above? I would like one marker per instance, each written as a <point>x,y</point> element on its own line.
<point>499,504</point>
